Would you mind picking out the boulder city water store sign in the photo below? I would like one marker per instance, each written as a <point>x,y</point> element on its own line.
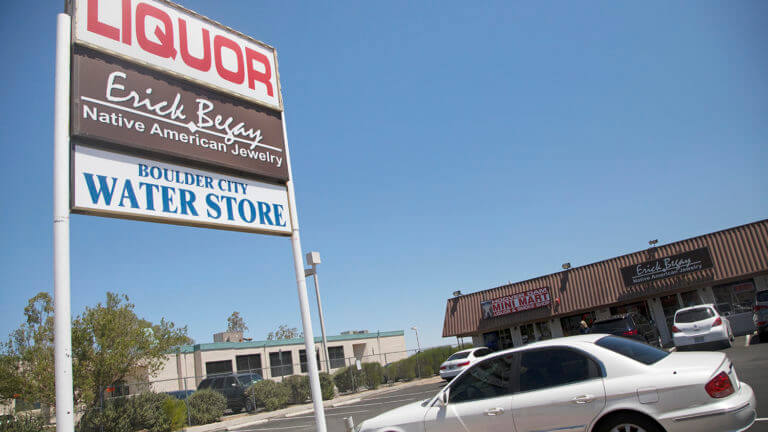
<point>170,118</point>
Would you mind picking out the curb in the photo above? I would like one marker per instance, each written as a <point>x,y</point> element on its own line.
<point>242,425</point>
<point>298,413</point>
<point>347,402</point>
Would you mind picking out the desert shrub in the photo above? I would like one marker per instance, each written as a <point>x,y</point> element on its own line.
<point>327,386</point>
<point>175,411</point>
<point>270,395</point>
<point>23,423</point>
<point>373,375</point>
<point>146,412</point>
<point>206,406</point>
<point>298,385</point>
<point>348,379</point>
<point>423,364</point>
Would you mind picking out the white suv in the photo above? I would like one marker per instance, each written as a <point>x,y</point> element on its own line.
<point>700,325</point>
<point>461,360</point>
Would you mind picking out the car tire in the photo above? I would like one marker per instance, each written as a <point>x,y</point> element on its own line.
<point>628,422</point>
<point>249,407</point>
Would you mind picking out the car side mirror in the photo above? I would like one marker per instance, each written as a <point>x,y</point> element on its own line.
<point>233,385</point>
<point>442,398</point>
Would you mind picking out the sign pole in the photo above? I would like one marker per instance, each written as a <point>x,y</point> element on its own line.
<point>301,284</point>
<point>65,420</point>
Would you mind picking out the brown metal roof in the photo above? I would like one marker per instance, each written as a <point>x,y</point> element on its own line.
<point>736,253</point>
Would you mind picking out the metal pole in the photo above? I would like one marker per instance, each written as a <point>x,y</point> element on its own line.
<point>322,321</point>
<point>65,419</point>
<point>301,286</point>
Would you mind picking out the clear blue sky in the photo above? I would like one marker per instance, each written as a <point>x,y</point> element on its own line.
<point>437,146</point>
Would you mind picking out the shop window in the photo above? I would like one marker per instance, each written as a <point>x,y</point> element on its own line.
<point>303,360</point>
<point>572,324</point>
<point>670,305</point>
<point>735,298</point>
<point>690,298</point>
<point>526,331</point>
<point>505,339</point>
<point>336,355</point>
<point>248,363</point>
<point>281,363</point>
<point>491,340</point>
<point>218,367</point>
<point>640,307</point>
<point>544,331</point>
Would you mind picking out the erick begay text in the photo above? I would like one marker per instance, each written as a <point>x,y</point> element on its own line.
<point>167,199</point>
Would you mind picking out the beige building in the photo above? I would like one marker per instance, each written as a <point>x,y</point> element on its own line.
<point>274,359</point>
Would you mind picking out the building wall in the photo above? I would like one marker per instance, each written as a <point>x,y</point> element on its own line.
<point>190,367</point>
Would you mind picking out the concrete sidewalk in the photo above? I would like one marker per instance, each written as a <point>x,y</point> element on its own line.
<point>237,421</point>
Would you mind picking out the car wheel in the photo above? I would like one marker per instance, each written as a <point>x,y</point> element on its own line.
<point>249,405</point>
<point>628,422</point>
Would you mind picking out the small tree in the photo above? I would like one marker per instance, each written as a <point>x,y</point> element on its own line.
<point>284,332</point>
<point>236,323</point>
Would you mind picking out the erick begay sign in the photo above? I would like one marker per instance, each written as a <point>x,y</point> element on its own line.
<point>527,300</point>
<point>686,262</point>
<point>115,184</point>
<point>121,103</point>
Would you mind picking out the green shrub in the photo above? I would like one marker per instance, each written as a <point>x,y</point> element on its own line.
<point>175,411</point>
<point>298,385</point>
<point>114,416</point>
<point>146,412</point>
<point>348,379</point>
<point>423,364</point>
<point>206,406</point>
<point>326,386</point>
<point>270,395</point>
<point>373,375</point>
<point>23,423</point>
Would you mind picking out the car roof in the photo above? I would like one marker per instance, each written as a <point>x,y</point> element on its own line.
<point>560,341</point>
<point>612,317</point>
<point>696,307</point>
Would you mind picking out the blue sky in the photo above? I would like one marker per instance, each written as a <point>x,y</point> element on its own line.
<point>436,146</point>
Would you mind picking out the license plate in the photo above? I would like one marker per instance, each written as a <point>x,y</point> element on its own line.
<point>698,339</point>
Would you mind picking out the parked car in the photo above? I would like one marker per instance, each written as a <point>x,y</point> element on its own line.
<point>461,360</point>
<point>632,325</point>
<point>593,382</point>
<point>760,316</point>
<point>233,387</point>
<point>701,325</point>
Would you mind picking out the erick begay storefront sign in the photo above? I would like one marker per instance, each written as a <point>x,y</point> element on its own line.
<point>662,268</point>
<point>527,300</point>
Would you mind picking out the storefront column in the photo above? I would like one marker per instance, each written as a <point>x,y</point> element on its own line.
<point>761,282</point>
<point>707,296</point>
<point>536,334</point>
<point>657,314</point>
<point>556,328</point>
<point>517,338</point>
<point>477,340</point>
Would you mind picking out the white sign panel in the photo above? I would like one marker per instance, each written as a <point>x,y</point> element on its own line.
<point>172,39</point>
<point>113,184</point>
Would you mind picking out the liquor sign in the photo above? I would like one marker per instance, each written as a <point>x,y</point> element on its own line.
<point>167,37</point>
<point>112,184</point>
<point>118,102</point>
<point>527,300</point>
<point>662,268</point>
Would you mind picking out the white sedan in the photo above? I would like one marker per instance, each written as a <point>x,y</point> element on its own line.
<point>595,383</point>
<point>460,360</point>
<point>700,325</point>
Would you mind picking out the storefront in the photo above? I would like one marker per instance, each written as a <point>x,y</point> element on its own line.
<point>724,268</point>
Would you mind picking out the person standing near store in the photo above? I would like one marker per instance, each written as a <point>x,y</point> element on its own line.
<point>583,327</point>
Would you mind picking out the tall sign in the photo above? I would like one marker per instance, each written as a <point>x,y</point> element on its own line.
<point>173,118</point>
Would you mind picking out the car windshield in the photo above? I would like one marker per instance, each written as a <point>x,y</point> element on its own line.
<point>633,349</point>
<point>762,296</point>
<point>610,326</point>
<point>459,355</point>
<point>693,315</point>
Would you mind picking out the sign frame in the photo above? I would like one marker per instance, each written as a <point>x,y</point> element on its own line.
<point>673,265</point>
<point>489,311</point>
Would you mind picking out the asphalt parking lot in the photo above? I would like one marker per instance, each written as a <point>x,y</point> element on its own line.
<point>750,358</point>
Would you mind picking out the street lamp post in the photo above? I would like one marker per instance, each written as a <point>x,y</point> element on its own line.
<point>313,259</point>
<point>418,344</point>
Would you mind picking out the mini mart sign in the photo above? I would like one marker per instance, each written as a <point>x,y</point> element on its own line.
<point>527,300</point>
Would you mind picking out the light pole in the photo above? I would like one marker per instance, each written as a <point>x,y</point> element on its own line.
<point>418,364</point>
<point>313,259</point>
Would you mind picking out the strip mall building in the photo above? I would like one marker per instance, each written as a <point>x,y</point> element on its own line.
<point>724,268</point>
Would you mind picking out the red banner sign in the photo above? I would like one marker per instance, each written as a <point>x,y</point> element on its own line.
<point>527,300</point>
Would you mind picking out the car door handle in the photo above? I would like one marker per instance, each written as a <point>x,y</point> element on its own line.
<point>494,411</point>
<point>583,399</point>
